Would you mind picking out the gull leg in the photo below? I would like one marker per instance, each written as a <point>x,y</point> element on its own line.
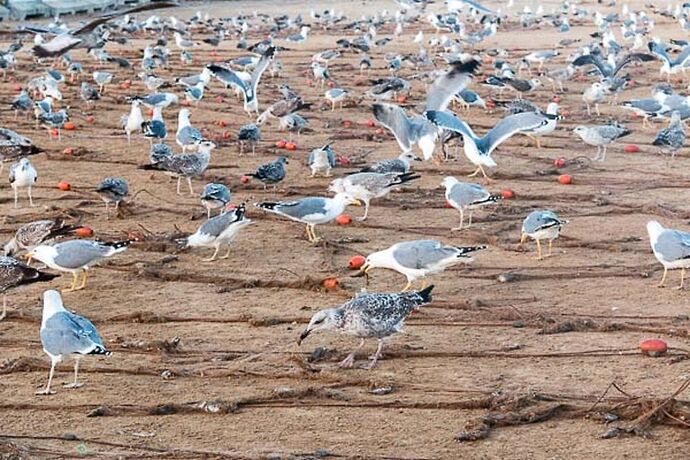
<point>550,247</point>
<point>227,254</point>
<point>313,232</point>
<point>603,156</point>
<point>536,139</point>
<point>46,390</point>
<point>539,256</point>
<point>477,171</point>
<point>208,213</point>
<point>75,384</point>
<point>213,257</point>
<point>31,200</point>
<point>16,198</point>
<point>407,286</point>
<point>376,356</point>
<point>469,223</point>
<point>310,235</point>
<point>589,110</point>
<point>83,282</point>
<point>596,157</point>
<point>682,278</point>
<point>74,283</point>
<point>663,278</point>
<point>107,210</point>
<point>4,307</point>
<point>596,106</point>
<point>178,185</point>
<point>350,360</point>
<point>189,182</point>
<point>462,219</point>
<point>366,211</point>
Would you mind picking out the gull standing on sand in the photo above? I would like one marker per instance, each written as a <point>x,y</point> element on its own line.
<point>187,135</point>
<point>322,160</point>
<point>466,196</point>
<point>34,233</point>
<point>418,258</point>
<point>594,94</point>
<point>186,165</point>
<point>112,190</point>
<point>671,248</point>
<point>64,333</point>
<point>133,122</point>
<point>601,136</point>
<point>368,315</point>
<point>219,231</point>
<point>542,225</point>
<point>478,149</point>
<point>13,145</point>
<point>155,127</point>
<point>311,211</point>
<point>249,134</point>
<point>215,196</point>
<point>673,137</point>
<point>76,256</point>
<point>14,273</point>
<point>271,173</point>
<point>366,186</point>
<point>23,174</point>
<point>398,165</point>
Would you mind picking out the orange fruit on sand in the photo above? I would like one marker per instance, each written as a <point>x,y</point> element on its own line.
<point>281,144</point>
<point>653,347</point>
<point>245,179</point>
<point>64,186</point>
<point>290,146</point>
<point>356,262</point>
<point>343,219</point>
<point>507,194</point>
<point>69,126</point>
<point>84,232</point>
<point>565,179</point>
<point>331,283</point>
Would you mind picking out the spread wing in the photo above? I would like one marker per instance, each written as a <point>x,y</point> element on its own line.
<point>510,125</point>
<point>449,84</point>
<point>91,25</point>
<point>394,118</point>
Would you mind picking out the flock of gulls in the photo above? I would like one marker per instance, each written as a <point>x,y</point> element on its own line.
<point>452,48</point>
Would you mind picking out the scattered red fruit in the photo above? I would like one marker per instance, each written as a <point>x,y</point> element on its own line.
<point>346,123</point>
<point>18,88</point>
<point>379,132</point>
<point>356,262</point>
<point>227,134</point>
<point>281,144</point>
<point>556,98</point>
<point>331,283</point>
<point>69,126</point>
<point>490,104</point>
<point>91,119</point>
<point>565,113</point>
<point>68,151</point>
<point>653,347</point>
<point>565,179</point>
<point>84,232</point>
<point>54,133</point>
<point>290,146</point>
<point>342,160</point>
<point>402,99</point>
<point>631,148</point>
<point>222,123</point>
<point>245,179</point>
<point>507,194</point>
<point>64,186</point>
<point>219,99</point>
<point>125,84</point>
<point>331,84</point>
<point>559,162</point>
<point>370,123</point>
<point>343,219</point>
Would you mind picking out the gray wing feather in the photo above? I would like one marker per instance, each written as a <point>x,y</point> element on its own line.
<point>673,245</point>
<point>79,253</point>
<point>303,207</point>
<point>449,84</point>
<point>510,125</point>
<point>67,333</point>
<point>422,253</point>
<point>394,118</point>
<point>466,194</point>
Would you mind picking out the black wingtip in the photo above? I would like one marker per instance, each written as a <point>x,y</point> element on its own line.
<point>470,66</point>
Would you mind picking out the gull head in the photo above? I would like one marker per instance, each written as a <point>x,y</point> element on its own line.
<point>654,229</point>
<point>42,253</point>
<point>337,186</point>
<point>449,181</point>
<point>580,130</point>
<point>322,320</point>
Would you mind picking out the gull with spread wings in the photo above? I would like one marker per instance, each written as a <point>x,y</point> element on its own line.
<point>417,129</point>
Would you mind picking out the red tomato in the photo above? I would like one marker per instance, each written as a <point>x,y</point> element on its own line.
<point>653,347</point>
<point>331,283</point>
<point>370,123</point>
<point>343,219</point>
<point>245,179</point>
<point>290,146</point>
<point>84,232</point>
<point>507,194</point>
<point>68,151</point>
<point>64,186</point>
<point>559,162</point>
<point>69,126</point>
<point>356,262</point>
<point>631,148</point>
<point>565,179</point>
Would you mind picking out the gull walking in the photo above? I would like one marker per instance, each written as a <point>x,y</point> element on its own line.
<point>22,174</point>
<point>219,231</point>
<point>466,196</point>
<point>542,225</point>
<point>671,248</point>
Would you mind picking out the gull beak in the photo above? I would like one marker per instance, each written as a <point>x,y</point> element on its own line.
<point>417,159</point>
<point>364,271</point>
<point>354,202</point>
<point>28,256</point>
<point>303,336</point>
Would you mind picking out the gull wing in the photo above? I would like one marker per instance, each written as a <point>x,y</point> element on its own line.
<point>394,118</point>
<point>229,77</point>
<point>449,121</point>
<point>449,84</point>
<point>261,67</point>
<point>510,125</point>
<point>91,25</point>
<point>632,57</point>
<point>596,61</point>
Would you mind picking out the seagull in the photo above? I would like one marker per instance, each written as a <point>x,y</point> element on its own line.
<point>249,134</point>
<point>112,190</point>
<point>34,233</point>
<point>185,165</point>
<point>65,333</point>
<point>88,93</point>
<point>271,173</point>
<point>22,174</point>
<point>478,149</point>
<point>161,100</point>
<point>229,77</point>
<point>86,36</point>
<point>336,95</point>
<point>14,273</point>
<point>601,136</point>
<point>672,137</point>
<point>463,196</point>
<point>368,315</point>
<point>13,145</point>
<point>311,211</point>
<point>155,127</point>
<point>418,258</point>
<point>670,66</point>
<point>671,248</point>
<point>550,114</point>
<point>594,95</point>
<point>215,196</point>
<point>400,165</point>
<point>408,131</point>
<point>195,93</point>
<point>321,159</point>
<point>365,186</point>
<point>134,121</point>
<point>54,120</point>
<point>542,225</point>
<point>219,231</point>
<point>21,102</point>
<point>102,79</point>
<point>76,256</point>
<point>609,71</point>
<point>186,135</point>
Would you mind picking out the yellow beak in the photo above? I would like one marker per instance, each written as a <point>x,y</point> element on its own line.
<point>355,203</point>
